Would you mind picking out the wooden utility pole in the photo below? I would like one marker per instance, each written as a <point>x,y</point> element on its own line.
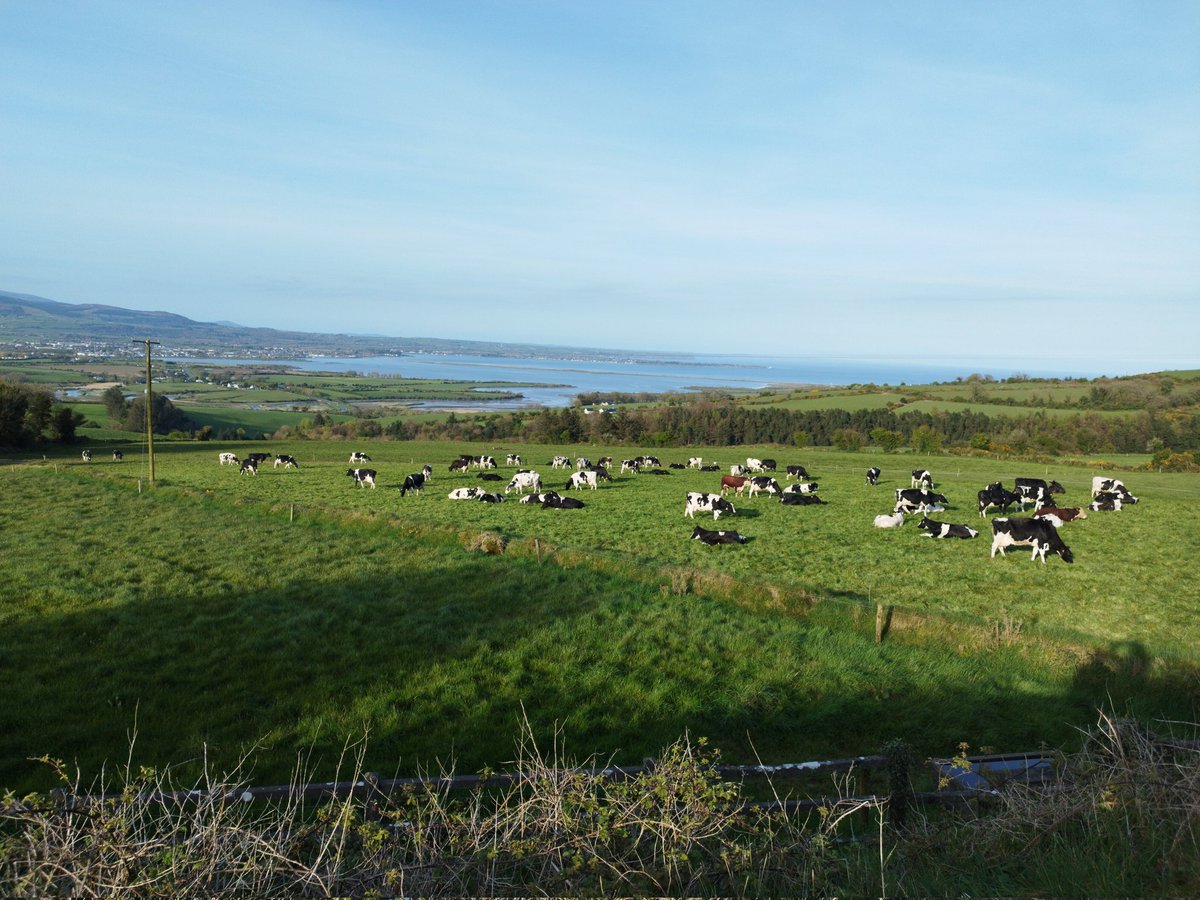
<point>149,409</point>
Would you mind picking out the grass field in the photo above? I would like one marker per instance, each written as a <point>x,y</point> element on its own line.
<point>292,609</point>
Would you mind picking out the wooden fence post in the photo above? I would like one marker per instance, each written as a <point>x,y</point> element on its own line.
<point>291,512</point>
<point>879,623</point>
<point>537,545</point>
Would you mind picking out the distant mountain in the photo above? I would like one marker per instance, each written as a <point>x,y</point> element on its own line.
<point>34,323</point>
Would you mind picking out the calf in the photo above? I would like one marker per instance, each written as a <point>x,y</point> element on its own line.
<point>286,461</point>
<point>414,482</point>
<point>249,467</point>
<point>466,493</point>
<point>523,480</point>
<point>87,455</point>
<point>230,459</point>
<point>873,475</point>
<point>359,456</point>
<point>934,529</point>
<point>427,471</point>
<point>736,483</point>
<point>1039,534</point>
<point>893,521</point>
<point>712,538</point>
<point>698,501</point>
<point>1060,514</point>
<point>362,477</point>
<point>922,478</point>
<point>695,462</point>
<point>762,483</point>
<point>118,456</point>
<point>797,471</point>
<point>794,499</point>
<point>630,465</point>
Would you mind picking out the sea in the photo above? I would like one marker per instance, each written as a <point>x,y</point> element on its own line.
<point>555,381</point>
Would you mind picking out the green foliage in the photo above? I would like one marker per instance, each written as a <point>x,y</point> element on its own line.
<point>848,440</point>
<point>887,440</point>
<point>925,439</point>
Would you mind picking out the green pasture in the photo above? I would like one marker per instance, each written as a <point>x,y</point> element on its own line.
<point>818,401</point>
<point>291,610</point>
<point>1000,409</point>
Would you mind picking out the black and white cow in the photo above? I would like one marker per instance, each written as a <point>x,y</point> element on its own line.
<point>484,462</point>
<point>488,476</point>
<point>713,538</point>
<point>698,501</point>
<point>630,465</point>
<point>763,483</point>
<point>583,462</point>
<point>539,497</point>
<point>604,462</point>
<point>997,496</point>
<point>466,493</point>
<point>873,475</point>
<point>580,480</point>
<point>362,477</point>
<point>1111,502</point>
<point>560,462</point>
<point>796,472</point>
<point>1039,534</point>
<point>118,456</point>
<point>676,466</point>
<point>802,487</point>
<point>427,471</point>
<point>288,462</point>
<point>753,464</point>
<point>249,467</point>
<point>1030,486</point>
<point>87,455</point>
<point>1111,486</point>
<point>914,500</point>
<point>713,468</point>
<point>934,529</point>
<point>523,480</point>
<point>794,499</point>
<point>769,465</point>
<point>358,456</point>
<point>644,461</point>
<point>923,479</point>
<point>735,469</point>
<point>459,465</point>
<point>513,459</point>
<point>557,502</point>
<point>694,462</point>
<point>258,458</point>
<point>414,482</point>
<point>490,498</point>
<point>229,459</point>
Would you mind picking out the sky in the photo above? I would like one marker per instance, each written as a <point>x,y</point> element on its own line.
<point>1001,180</point>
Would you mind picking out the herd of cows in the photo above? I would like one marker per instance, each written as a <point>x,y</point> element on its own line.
<point>1038,531</point>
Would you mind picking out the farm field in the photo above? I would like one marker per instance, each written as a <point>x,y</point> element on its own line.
<point>293,609</point>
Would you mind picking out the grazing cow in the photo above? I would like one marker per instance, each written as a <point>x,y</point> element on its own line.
<point>892,521</point>
<point>1029,487</point>
<point>513,459</point>
<point>605,461</point>
<point>560,462</point>
<point>601,473</point>
<point>484,462</point>
<point>488,476</point>
<point>583,463</point>
<point>286,461</point>
<point>934,529</point>
<point>769,465</point>
<point>490,498</point>
<point>735,469</point>
<point>794,499</point>
<point>713,468</point>
<point>694,462</point>
<point>1060,514</point>
<point>539,497</point>
<point>994,495</point>
<point>459,465</point>
<point>754,465</point>
<point>580,480</point>
<point>647,461</point>
<point>914,500</point>
<point>523,480</point>
<point>359,456</point>
<point>118,456</point>
<point>362,477</point>
<point>796,471</point>
<point>466,493</point>
<point>698,501</point>
<point>1036,533</point>
<point>922,478</point>
<point>258,457</point>
<point>230,458</point>
<point>557,502</point>
<point>762,483</point>
<point>630,465</point>
<point>802,487</point>
<point>735,483</point>
<point>713,538</point>
<point>414,482</point>
<point>87,455</point>
<point>1038,496</point>
<point>873,475</point>
<point>249,467</point>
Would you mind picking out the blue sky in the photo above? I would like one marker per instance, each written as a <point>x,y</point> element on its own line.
<point>994,180</point>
